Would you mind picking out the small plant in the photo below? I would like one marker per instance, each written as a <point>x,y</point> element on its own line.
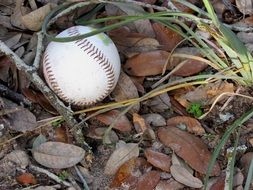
<point>195,109</point>
<point>63,175</point>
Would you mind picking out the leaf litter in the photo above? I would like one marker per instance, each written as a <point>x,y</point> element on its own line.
<point>155,145</point>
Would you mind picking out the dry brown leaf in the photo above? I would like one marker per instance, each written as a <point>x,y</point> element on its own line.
<point>128,175</point>
<point>98,133</point>
<point>168,38</point>
<point>139,123</point>
<point>159,103</point>
<point>154,119</point>
<point>219,183</point>
<point>19,157</point>
<point>169,185</point>
<point>206,94</point>
<point>125,89</point>
<point>190,67</point>
<point>18,12</point>
<point>147,63</point>
<point>121,154</point>
<point>5,63</point>
<point>33,20</point>
<point>13,40</point>
<point>245,162</point>
<point>189,147</point>
<point>148,181</point>
<point>26,179</point>
<point>122,124</point>
<point>142,26</point>
<point>178,161</point>
<point>38,97</point>
<point>191,124</point>
<point>131,44</point>
<point>245,6</point>
<point>23,120</point>
<point>58,155</point>
<point>157,159</point>
<point>183,176</point>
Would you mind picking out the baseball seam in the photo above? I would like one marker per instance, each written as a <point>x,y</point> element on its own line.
<point>93,52</point>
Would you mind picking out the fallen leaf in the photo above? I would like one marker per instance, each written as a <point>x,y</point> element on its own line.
<point>245,6</point>
<point>159,104</point>
<point>189,147</point>
<point>13,40</point>
<point>5,63</point>
<point>139,123</point>
<point>245,37</point>
<point>190,66</point>
<point>131,44</point>
<point>38,97</point>
<point>120,156</point>
<point>58,155</point>
<point>61,134</point>
<point>178,161</point>
<point>148,181</point>
<point>183,176</point>
<point>245,162</point>
<point>147,63</point>
<point>157,159</point>
<point>122,124</point>
<point>206,94</point>
<point>219,183</point>
<point>39,140</point>
<point>169,185</point>
<point>129,172</point>
<point>26,179</point>
<point>168,38</point>
<point>191,124</point>
<point>142,26</point>
<point>98,133</point>
<point>33,20</point>
<point>125,89</point>
<point>154,119</point>
<point>19,157</point>
<point>18,12</point>
<point>23,120</point>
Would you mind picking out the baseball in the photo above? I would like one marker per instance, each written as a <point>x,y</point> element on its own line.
<point>82,72</point>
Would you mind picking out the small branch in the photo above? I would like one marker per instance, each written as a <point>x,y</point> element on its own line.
<point>85,185</point>
<point>16,97</point>
<point>51,175</point>
<point>39,50</point>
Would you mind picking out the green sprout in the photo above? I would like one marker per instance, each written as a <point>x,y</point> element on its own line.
<point>195,109</point>
<point>63,175</point>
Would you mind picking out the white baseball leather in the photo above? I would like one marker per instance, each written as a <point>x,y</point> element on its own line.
<point>82,72</point>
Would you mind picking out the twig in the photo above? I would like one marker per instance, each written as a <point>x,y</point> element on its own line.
<point>33,76</point>
<point>39,50</point>
<point>229,100</point>
<point>49,174</point>
<point>85,185</point>
<point>73,182</point>
<point>16,97</point>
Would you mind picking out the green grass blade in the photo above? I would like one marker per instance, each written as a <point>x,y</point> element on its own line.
<point>249,177</point>
<point>224,139</point>
<point>211,12</point>
<point>193,7</point>
<point>232,164</point>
